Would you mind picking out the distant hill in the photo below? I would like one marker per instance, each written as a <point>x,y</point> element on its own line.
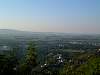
<point>11,32</point>
<point>18,32</point>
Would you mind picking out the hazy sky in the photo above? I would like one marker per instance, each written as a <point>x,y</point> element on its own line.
<point>78,16</point>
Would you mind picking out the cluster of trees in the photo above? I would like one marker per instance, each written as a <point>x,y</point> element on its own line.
<point>90,67</point>
<point>10,64</point>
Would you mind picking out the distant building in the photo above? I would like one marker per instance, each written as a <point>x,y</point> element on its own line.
<point>5,48</point>
<point>98,52</point>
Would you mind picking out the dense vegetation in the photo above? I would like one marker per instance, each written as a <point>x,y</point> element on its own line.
<point>52,54</point>
<point>80,64</point>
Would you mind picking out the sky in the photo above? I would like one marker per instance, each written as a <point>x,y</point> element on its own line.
<point>70,16</point>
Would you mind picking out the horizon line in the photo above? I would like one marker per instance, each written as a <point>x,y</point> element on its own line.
<point>50,31</point>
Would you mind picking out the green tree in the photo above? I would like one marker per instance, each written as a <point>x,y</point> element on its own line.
<point>7,63</point>
<point>29,62</point>
<point>31,55</point>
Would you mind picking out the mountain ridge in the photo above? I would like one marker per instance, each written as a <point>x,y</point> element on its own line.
<point>31,32</point>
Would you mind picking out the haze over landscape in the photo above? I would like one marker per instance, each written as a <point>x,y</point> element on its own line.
<point>71,16</point>
<point>49,37</point>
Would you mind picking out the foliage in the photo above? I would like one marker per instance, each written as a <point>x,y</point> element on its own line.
<point>31,55</point>
<point>7,64</point>
<point>92,67</point>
